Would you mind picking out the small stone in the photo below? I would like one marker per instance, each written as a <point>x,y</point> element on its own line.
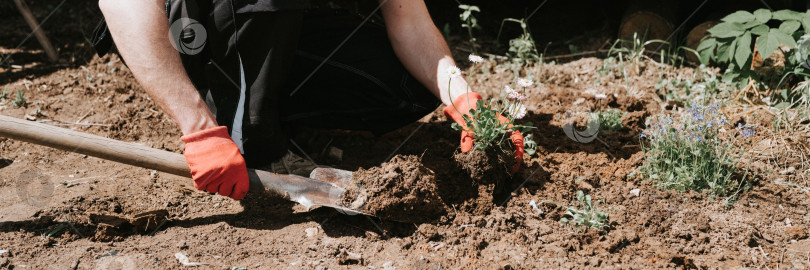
<point>796,233</point>
<point>153,175</point>
<point>789,170</point>
<point>584,185</point>
<point>635,192</point>
<point>311,232</point>
<point>345,258</point>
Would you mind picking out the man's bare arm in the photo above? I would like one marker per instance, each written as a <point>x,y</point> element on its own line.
<point>421,47</point>
<point>141,33</point>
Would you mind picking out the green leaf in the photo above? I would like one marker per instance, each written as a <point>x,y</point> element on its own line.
<point>783,38</point>
<point>723,52</point>
<point>707,44</point>
<point>806,22</point>
<point>767,44</point>
<point>727,29</point>
<point>762,15</point>
<point>731,49</point>
<point>786,14</point>
<point>760,30</point>
<point>739,17</point>
<point>789,27</point>
<point>706,56</point>
<point>751,24</point>
<point>706,49</point>
<point>743,51</point>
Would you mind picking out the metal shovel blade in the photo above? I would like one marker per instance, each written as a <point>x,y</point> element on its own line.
<point>325,187</point>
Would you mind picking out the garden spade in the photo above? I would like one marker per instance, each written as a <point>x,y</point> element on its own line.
<point>325,187</point>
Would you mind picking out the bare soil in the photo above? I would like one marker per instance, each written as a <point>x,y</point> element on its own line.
<point>79,212</point>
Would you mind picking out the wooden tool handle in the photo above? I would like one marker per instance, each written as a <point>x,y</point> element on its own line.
<point>92,145</point>
<point>306,191</point>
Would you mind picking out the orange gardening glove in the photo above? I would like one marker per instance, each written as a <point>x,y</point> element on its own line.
<point>216,164</point>
<point>464,107</point>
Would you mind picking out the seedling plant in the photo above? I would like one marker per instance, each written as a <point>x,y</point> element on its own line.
<point>585,212</point>
<point>483,122</point>
<point>609,120</point>
<point>19,101</point>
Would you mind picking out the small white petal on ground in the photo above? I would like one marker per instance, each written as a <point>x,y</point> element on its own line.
<point>635,192</point>
<point>185,261</point>
<point>534,206</point>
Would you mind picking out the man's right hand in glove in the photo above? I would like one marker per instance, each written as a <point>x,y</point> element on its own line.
<point>216,164</point>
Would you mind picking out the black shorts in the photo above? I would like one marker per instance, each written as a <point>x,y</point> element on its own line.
<point>319,68</point>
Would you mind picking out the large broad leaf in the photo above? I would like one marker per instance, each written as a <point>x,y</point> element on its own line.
<point>706,50</point>
<point>760,30</point>
<point>783,38</point>
<point>743,51</point>
<point>739,17</point>
<point>789,27</point>
<point>767,44</point>
<point>723,49</point>
<point>806,23</point>
<point>786,14</point>
<point>727,29</point>
<point>751,24</point>
<point>762,15</point>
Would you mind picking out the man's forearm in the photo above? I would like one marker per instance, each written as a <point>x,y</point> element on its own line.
<point>421,47</point>
<point>141,33</point>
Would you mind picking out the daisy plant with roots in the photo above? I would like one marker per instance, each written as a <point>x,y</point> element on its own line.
<point>485,122</point>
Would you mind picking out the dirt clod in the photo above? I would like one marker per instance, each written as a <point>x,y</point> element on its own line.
<point>401,190</point>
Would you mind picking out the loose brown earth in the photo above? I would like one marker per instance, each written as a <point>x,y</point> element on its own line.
<point>94,214</point>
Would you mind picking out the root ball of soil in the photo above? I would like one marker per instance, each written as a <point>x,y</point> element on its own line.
<point>490,172</point>
<point>401,190</point>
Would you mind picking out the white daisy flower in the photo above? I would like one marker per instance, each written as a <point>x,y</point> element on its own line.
<point>601,96</point>
<point>514,95</point>
<point>525,82</point>
<point>475,58</point>
<point>453,72</point>
<point>518,111</point>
